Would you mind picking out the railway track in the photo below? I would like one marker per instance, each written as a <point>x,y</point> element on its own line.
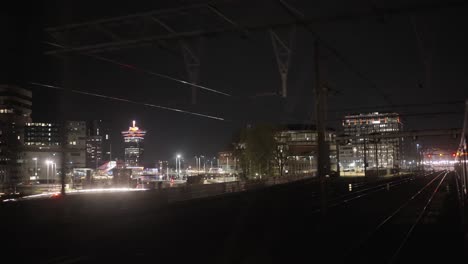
<point>385,242</point>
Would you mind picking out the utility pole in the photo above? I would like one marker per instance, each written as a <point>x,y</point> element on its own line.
<point>283,51</point>
<point>338,158</point>
<point>376,157</point>
<point>365,158</point>
<point>323,159</point>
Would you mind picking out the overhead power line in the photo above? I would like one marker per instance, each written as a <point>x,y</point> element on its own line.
<point>394,107</point>
<point>338,17</point>
<point>129,101</point>
<point>297,15</point>
<point>138,69</point>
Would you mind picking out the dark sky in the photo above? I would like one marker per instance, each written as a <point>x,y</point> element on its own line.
<point>385,50</point>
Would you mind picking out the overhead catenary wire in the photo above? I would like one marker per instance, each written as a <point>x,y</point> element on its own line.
<point>339,17</point>
<point>121,64</point>
<point>396,106</point>
<point>138,69</point>
<point>297,15</point>
<point>403,115</point>
<point>129,101</point>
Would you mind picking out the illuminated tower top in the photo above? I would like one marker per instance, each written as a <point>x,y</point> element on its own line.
<point>133,139</point>
<point>134,134</point>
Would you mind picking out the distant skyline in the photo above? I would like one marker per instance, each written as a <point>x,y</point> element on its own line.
<point>394,53</point>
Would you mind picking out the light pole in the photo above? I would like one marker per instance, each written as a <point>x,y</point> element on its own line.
<point>419,156</point>
<point>204,165</point>
<point>227,164</point>
<point>35,168</point>
<point>197,164</point>
<point>168,171</point>
<point>178,165</point>
<point>54,173</point>
<point>48,162</point>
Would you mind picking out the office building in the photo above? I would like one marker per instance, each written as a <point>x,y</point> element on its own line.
<point>75,151</point>
<point>15,112</point>
<point>133,140</point>
<point>15,105</point>
<point>93,151</point>
<point>298,149</point>
<point>42,134</point>
<point>379,155</point>
<point>99,139</point>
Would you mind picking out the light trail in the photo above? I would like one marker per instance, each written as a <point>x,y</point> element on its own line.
<point>135,68</point>
<point>129,101</point>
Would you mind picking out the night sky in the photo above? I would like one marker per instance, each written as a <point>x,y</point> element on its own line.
<point>385,50</point>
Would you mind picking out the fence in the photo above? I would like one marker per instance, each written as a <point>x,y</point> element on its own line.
<point>188,192</point>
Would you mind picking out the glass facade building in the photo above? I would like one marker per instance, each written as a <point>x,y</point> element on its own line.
<point>299,143</point>
<point>382,153</point>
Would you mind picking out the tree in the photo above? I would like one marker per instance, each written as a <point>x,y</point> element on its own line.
<point>257,149</point>
<point>281,157</point>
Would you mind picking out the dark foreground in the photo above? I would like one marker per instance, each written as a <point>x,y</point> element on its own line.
<point>374,222</point>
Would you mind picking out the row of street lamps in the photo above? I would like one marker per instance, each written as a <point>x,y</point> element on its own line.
<point>197,161</point>
<point>53,169</point>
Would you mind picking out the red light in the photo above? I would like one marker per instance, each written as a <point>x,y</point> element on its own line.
<point>454,155</point>
<point>55,195</point>
<point>429,155</point>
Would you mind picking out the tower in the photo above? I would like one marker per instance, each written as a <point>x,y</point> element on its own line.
<point>133,139</point>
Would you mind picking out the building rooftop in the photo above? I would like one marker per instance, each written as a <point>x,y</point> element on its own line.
<point>372,115</point>
<point>298,127</point>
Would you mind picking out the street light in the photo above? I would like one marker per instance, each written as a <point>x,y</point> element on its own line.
<point>204,164</point>
<point>178,165</point>
<point>48,162</point>
<point>35,168</point>
<point>199,164</point>
<point>54,172</point>
<point>420,163</point>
